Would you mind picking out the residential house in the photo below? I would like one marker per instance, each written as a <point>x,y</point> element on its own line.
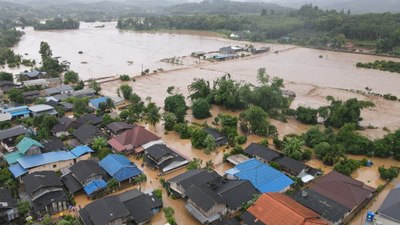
<point>18,112</point>
<point>87,92</point>
<point>117,100</point>
<point>209,201</point>
<point>50,161</point>
<point>135,140</point>
<point>86,133</point>
<point>46,192</point>
<point>264,177</point>
<point>86,175</point>
<point>8,207</point>
<point>63,89</point>
<point>349,195</point>
<point>260,50</point>
<point>120,168</point>
<point>66,106</point>
<point>37,82</point>
<point>54,82</point>
<point>95,102</point>
<point>162,158</point>
<point>181,183</point>
<point>297,168</point>
<point>389,212</point>
<point>53,145</point>
<point>26,147</point>
<point>33,75</point>
<point>63,127</point>
<point>5,86</point>
<point>228,222</point>
<point>131,207</point>
<point>8,136</point>
<point>327,208</point>
<point>116,128</point>
<point>237,159</point>
<point>31,96</point>
<point>261,152</point>
<point>92,119</point>
<point>61,97</point>
<point>277,209</point>
<point>227,50</point>
<point>5,117</point>
<point>42,109</point>
<point>220,138</point>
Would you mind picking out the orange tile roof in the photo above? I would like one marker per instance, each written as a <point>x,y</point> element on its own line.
<point>279,209</point>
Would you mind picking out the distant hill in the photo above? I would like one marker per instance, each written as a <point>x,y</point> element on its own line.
<point>224,7</point>
<point>356,6</point>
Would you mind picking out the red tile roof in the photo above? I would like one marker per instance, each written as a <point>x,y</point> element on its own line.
<point>134,137</point>
<point>342,189</point>
<point>279,209</point>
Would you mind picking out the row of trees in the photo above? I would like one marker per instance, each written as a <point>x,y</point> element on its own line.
<point>57,24</point>
<point>383,65</point>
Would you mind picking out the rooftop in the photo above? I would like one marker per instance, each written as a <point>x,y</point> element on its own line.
<point>36,180</point>
<point>119,167</point>
<point>134,137</point>
<point>390,207</point>
<point>40,108</point>
<point>261,151</point>
<point>95,102</point>
<point>13,132</point>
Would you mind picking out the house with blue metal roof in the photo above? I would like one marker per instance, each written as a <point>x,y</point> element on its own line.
<point>264,177</point>
<point>95,102</point>
<point>120,168</point>
<point>18,112</point>
<point>50,161</point>
<point>26,147</point>
<point>94,187</point>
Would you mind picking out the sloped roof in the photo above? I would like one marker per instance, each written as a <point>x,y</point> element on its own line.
<point>94,186</point>
<point>204,197</point>
<point>119,167</point>
<point>17,170</point>
<point>194,177</point>
<point>36,180</point>
<point>327,208</point>
<point>6,197</point>
<point>81,150</point>
<point>40,108</point>
<point>261,151</point>
<point>103,211</point>
<point>276,208</point>
<point>136,137</point>
<point>48,198</point>
<point>116,127</point>
<point>342,189</point>
<point>13,132</point>
<point>236,192</point>
<point>97,101</point>
<point>53,145</point>
<point>390,207</point>
<point>26,143</point>
<point>64,123</point>
<point>71,183</point>
<point>264,177</point>
<point>58,90</point>
<point>12,157</point>
<point>291,164</point>
<point>45,158</point>
<point>87,132</point>
<point>85,169</point>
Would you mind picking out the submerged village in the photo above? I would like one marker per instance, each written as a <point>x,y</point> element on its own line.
<point>214,149</point>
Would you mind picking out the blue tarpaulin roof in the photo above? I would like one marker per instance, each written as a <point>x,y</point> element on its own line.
<point>96,101</point>
<point>94,186</point>
<point>119,167</point>
<point>17,170</point>
<point>81,150</point>
<point>262,176</point>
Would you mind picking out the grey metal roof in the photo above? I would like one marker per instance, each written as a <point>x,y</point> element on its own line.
<point>203,197</point>
<point>58,90</point>
<point>293,165</point>
<point>87,132</point>
<point>40,108</point>
<point>261,151</point>
<point>85,169</point>
<point>390,207</point>
<point>6,197</point>
<point>195,177</point>
<point>36,180</point>
<point>13,132</point>
<point>71,183</point>
<point>53,145</point>
<point>236,193</point>
<point>48,198</point>
<point>117,127</point>
<point>327,208</point>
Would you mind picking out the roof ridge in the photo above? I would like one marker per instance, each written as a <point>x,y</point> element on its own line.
<point>291,206</point>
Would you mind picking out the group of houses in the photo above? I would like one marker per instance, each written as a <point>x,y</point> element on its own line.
<point>229,52</point>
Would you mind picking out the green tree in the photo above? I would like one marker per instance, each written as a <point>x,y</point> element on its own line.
<point>112,184</point>
<point>99,143</point>
<point>194,164</point>
<point>176,104</point>
<point>169,121</point>
<point>254,120</point>
<point>24,207</point>
<point>126,91</point>
<point>200,88</point>
<point>209,144</point>
<point>71,77</point>
<point>347,166</point>
<point>198,137</point>
<point>15,95</point>
<point>80,106</point>
<point>307,115</point>
<point>45,50</point>
<point>201,108</point>
<point>94,85</point>
<point>4,76</point>
<point>388,174</point>
<point>153,115</point>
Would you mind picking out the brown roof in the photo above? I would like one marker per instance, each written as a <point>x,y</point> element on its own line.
<point>279,209</point>
<point>134,137</point>
<point>342,189</point>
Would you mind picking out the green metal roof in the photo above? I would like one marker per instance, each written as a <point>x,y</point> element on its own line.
<point>12,157</point>
<point>26,143</point>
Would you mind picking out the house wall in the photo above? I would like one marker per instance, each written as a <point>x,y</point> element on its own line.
<point>61,134</point>
<point>118,221</point>
<point>219,209</point>
<point>54,207</point>
<point>177,188</point>
<point>8,215</point>
<point>44,190</point>
<point>56,166</point>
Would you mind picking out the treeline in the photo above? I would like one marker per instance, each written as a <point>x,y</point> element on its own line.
<point>383,65</point>
<point>9,36</point>
<point>57,24</point>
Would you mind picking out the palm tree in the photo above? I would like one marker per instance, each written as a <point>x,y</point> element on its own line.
<point>153,115</point>
<point>99,143</point>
